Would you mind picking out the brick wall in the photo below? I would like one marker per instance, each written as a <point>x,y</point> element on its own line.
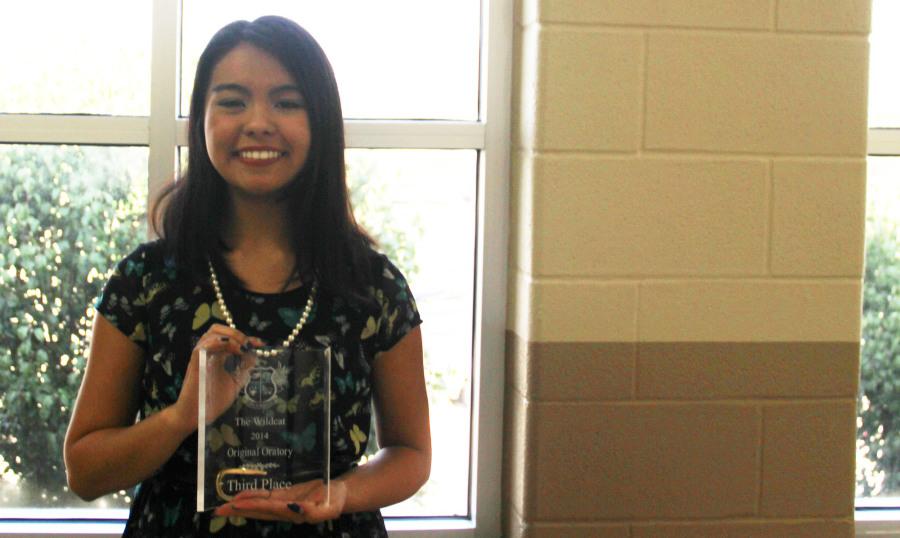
<point>688,200</point>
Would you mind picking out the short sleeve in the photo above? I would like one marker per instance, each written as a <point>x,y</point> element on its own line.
<point>398,314</point>
<point>122,302</point>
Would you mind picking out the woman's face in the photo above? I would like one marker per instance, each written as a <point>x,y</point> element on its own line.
<point>256,125</point>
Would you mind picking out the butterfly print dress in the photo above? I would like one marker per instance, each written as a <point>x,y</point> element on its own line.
<point>165,314</point>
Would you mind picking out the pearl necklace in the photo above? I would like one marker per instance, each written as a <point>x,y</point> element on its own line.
<point>266,353</point>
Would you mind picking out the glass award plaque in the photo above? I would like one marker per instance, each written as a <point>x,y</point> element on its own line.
<point>263,422</point>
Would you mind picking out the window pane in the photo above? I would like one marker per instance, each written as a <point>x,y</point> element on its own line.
<point>884,76</point>
<point>420,204</point>
<point>85,57</point>
<point>69,213</point>
<point>403,59</point>
<point>878,443</point>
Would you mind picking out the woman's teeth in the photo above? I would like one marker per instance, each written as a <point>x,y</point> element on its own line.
<point>259,155</point>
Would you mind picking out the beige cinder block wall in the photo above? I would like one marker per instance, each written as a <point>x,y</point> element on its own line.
<point>688,211</point>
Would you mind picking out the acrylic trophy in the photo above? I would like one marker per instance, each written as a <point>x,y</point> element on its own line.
<point>263,422</point>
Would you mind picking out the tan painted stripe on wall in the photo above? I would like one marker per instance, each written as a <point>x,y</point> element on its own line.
<point>570,370</point>
<point>747,370</point>
<point>598,371</point>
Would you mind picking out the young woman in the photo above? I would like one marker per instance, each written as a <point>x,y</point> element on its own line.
<point>258,231</point>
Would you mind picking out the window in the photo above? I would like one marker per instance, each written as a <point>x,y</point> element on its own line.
<point>89,132</point>
<point>878,442</point>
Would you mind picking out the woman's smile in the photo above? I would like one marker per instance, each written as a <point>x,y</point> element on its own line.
<point>258,156</point>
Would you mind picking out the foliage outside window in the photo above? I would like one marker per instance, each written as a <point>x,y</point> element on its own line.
<point>68,214</point>
<point>878,445</point>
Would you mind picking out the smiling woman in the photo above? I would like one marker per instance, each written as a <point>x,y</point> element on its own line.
<point>286,236</point>
<point>424,187</point>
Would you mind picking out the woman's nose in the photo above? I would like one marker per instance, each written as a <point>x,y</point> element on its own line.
<point>259,121</point>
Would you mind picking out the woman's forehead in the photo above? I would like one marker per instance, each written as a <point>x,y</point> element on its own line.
<point>250,67</point>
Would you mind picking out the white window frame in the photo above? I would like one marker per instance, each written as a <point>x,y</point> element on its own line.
<point>163,132</point>
<point>880,517</point>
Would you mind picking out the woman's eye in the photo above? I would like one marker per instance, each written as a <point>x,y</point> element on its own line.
<point>231,103</point>
<point>290,104</point>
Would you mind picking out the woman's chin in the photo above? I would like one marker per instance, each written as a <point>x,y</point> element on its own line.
<point>259,194</point>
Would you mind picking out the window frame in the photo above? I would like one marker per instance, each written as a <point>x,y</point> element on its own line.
<point>163,132</point>
<point>880,517</point>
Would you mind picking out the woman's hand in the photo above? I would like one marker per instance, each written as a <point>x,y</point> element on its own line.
<point>221,344</point>
<point>307,502</point>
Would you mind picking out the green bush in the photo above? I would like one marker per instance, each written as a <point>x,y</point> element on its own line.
<point>879,410</point>
<point>372,208</point>
<point>68,215</point>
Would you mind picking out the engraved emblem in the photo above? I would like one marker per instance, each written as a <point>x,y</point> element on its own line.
<point>261,390</point>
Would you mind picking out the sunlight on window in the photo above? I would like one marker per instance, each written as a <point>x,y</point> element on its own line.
<point>89,57</point>
<point>403,59</point>
<point>884,74</point>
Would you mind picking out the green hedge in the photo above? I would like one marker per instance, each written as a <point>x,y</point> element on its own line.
<point>879,410</point>
<point>68,215</point>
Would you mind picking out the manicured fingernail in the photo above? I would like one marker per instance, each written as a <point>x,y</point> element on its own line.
<point>223,338</point>
<point>232,363</point>
<point>295,508</point>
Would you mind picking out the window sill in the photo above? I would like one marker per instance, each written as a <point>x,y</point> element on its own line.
<point>883,523</point>
<point>405,528</point>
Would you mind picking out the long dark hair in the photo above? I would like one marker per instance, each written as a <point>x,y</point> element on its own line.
<point>328,243</point>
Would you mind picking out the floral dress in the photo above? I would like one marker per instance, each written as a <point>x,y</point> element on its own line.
<point>166,315</point>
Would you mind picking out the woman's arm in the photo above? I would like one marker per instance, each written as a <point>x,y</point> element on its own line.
<point>398,470</point>
<point>105,450</point>
<point>403,463</point>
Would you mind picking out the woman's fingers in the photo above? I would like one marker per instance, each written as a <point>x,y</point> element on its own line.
<point>295,492</point>
<point>252,494</point>
<point>221,338</point>
<point>301,503</point>
<point>267,509</point>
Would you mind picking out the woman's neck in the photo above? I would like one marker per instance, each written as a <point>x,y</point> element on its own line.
<point>256,223</point>
<point>260,250</point>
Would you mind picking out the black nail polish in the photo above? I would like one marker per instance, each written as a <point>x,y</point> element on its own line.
<point>232,362</point>
<point>223,338</point>
<point>295,508</point>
